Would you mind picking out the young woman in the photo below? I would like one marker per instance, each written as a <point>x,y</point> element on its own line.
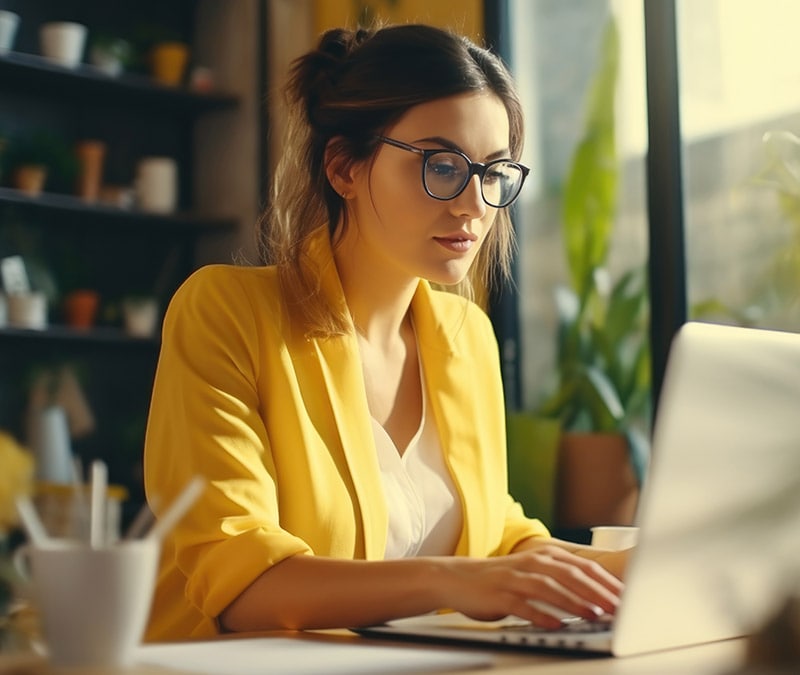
<point>349,418</point>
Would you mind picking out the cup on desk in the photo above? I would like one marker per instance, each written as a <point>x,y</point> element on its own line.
<point>93,603</point>
<point>614,537</point>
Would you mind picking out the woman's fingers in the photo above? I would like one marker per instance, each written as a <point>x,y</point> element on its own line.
<point>540,585</point>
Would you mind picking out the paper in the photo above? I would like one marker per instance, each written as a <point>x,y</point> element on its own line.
<point>304,656</point>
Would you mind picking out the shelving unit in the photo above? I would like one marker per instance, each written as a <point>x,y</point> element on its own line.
<point>117,250</point>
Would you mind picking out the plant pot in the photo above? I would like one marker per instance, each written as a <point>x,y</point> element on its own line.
<point>30,178</point>
<point>596,482</point>
<point>80,308</point>
<point>9,22</point>
<point>168,61</point>
<point>91,155</point>
<point>63,42</point>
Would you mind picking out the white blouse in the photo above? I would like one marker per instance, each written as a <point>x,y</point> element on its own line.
<point>423,505</point>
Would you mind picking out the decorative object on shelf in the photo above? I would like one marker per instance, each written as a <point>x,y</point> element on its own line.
<point>9,22</point>
<point>202,79</point>
<point>63,42</point>
<point>27,310</point>
<point>140,315</point>
<point>110,54</point>
<point>80,308</point>
<point>157,184</point>
<point>29,178</point>
<point>168,62</point>
<point>40,158</point>
<point>91,155</point>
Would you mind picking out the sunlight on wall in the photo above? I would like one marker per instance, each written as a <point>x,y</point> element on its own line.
<point>464,17</point>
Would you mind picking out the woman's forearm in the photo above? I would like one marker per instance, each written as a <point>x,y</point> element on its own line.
<point>306,592</point>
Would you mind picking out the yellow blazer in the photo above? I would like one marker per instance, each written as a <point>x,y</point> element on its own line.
<point>279,426</point>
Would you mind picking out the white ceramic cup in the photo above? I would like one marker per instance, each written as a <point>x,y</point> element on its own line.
<point>9,22</point>
<point>140,316</point>
<point>27,310</point>
<point>63,42</point>
<point>94,602</point>
<point>614,537</point>
<point>157,184</point>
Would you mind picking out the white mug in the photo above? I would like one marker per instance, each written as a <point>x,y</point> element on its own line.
<point>63,42</point>
<point>614,537</point>
<point>9,22</point>
<point>27,310</point>
<point>157,184</point>
<point>94,602</point>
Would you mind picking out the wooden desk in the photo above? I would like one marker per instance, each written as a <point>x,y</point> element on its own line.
<point>720,658</point>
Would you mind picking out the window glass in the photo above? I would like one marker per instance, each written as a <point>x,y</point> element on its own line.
<point>739,73</point>
<point>558,54</point>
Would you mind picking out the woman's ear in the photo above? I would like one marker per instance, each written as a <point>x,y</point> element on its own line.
<point>338,167</point>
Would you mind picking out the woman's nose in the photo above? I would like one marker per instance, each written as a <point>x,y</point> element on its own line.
<point>470,202</point>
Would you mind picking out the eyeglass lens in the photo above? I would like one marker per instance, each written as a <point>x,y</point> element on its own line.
<point>446,174</point>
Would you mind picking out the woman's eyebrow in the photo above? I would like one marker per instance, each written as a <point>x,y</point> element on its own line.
<point>450,145</point>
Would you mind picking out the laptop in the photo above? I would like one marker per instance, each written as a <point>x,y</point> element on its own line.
<point>719,513</point>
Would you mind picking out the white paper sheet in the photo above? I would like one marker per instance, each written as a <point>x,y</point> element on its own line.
<point>287,656</point>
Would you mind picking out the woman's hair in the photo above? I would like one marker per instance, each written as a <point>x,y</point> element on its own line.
<point>352,88</point>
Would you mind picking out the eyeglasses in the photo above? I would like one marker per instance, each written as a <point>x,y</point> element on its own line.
<point>446,173</point>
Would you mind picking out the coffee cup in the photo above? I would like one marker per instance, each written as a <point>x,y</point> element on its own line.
<point>93,602</point>
<point>614,537</point>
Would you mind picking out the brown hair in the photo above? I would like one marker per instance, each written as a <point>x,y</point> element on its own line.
<point>351,88</point>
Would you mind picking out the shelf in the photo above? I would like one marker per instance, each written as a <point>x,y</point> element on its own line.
<point>98,336</point>
<point>102,213</point>
<point>39,75</point>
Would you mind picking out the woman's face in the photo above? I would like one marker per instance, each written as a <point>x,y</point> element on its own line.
<point>395,226</point>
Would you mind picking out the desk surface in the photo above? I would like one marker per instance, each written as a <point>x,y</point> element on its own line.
<point>721,658</point>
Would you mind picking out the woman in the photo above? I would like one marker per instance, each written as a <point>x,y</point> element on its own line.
<point>348,417</point>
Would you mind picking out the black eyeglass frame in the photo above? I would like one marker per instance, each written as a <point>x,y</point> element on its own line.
<point>475,169</point>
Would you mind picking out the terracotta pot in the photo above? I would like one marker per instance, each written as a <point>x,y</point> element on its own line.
<point>91,155</point>
<point>30,178</point>
<point>80,308</point>
<point>596,483</point>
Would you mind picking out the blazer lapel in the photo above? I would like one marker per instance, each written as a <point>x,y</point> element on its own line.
<point>340,365</point>
<point>444,368</point>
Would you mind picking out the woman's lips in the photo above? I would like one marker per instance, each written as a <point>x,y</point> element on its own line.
<point>458,243</point>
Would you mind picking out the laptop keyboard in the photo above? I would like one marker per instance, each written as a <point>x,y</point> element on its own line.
<point>572,625</point>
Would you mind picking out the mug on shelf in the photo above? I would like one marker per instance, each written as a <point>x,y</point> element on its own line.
<point>27,310</point>
<point>63,42</point>
<point>9,22</point>
<point>156,184</point>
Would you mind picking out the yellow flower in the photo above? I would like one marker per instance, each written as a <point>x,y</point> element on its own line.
<point>16,478</point>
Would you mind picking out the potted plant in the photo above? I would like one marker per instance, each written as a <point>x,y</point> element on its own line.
<point>40,158</point>
<point>110,53</point>
<point>595,413</point>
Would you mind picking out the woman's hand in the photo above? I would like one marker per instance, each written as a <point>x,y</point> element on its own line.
<point>523,584</point>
